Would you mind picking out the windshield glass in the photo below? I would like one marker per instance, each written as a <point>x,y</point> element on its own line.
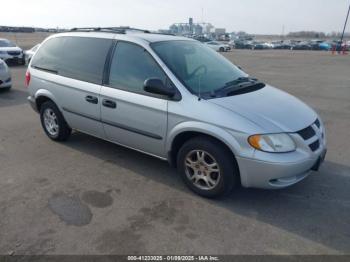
<point>6,43</point>
<point>197,66</point>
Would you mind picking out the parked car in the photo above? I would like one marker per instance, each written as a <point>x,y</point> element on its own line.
<point>260,45</point>
<point>239,44</point>
<point>178,100</point>
<point>5,76</point>
<point>10,52</point>
<point>324,46</point>
<point>202,39</point>
<point>283,45</point>
<point>302,46</point>
<point>232,44</point>
<point>217,46</point>
<point>28,54</point>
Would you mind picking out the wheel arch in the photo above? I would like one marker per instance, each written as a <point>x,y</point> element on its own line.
<point>188,130</point>
<point>41,96</point>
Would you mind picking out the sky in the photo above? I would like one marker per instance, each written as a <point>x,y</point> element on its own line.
<point>252,16</point>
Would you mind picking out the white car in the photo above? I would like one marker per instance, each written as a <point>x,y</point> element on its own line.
<point>219,47</point>
<point>28,54</point>
<point>5,76</point>
<point>10,52</point>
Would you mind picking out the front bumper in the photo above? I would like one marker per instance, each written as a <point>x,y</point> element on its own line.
<point>10,59</point>
<point>275,175</point>
<point>5,81</point>
<point>280,170</point>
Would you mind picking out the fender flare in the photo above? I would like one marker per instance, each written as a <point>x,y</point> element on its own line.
<point>204,128</point>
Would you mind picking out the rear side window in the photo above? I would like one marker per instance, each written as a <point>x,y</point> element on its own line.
<point>79,58</point>
<point>49,55</point>
<point>131,66</point>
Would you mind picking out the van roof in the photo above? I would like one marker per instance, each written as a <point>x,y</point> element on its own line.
<point>149,37</point>
<point>132,33</point>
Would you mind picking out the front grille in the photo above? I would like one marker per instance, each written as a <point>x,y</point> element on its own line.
<point>315,145</point>
<point>317,123</point>
<point>14,52</point>
<point>310,132</point>
<point>307,133</point>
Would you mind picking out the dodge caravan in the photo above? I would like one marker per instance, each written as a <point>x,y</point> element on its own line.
<point>176,99</point>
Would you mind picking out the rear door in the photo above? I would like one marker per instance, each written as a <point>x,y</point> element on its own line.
<point>77,66</point>
<point>130,116</point>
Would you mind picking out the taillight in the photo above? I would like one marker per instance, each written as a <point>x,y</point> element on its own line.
<point>27,79</point>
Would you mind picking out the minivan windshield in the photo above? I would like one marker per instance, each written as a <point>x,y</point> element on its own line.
<point>199,68</point>
<point>6,43</point>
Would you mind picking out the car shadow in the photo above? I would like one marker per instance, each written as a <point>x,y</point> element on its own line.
<point>12,97</point>
<point>317,209</point>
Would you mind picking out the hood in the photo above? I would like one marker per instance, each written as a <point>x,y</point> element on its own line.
<point>271,109</point>
<point>15,48</point>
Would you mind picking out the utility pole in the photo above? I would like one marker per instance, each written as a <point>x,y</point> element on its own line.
<point>346,21</point>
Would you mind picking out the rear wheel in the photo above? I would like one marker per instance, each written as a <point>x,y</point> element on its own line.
<point>53,122</point>
<point>207,167</point>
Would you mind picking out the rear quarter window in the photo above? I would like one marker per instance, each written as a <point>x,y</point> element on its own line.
<point>80,58</point>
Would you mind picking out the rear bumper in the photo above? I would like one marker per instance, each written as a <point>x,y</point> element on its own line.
<point>32,103</point>
<point>275,175</point>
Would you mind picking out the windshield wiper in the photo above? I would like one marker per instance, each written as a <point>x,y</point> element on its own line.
<point>244,88</point>
<point>236,82</point>
<point>240,85</point>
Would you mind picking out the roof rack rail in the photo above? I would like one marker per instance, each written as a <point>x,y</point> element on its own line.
<point>118,30</point>
<point>98,29</point>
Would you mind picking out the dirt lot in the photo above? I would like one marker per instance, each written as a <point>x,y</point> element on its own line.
<point>25,40</point>
<point>87,196</point>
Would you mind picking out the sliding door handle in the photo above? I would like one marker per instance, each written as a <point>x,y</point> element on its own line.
<point>92,99</point>
<point>109,103</point>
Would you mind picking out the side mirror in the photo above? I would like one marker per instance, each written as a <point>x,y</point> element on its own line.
<point>156,86</point>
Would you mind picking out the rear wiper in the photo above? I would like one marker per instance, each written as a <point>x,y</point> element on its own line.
<point>46,69</point>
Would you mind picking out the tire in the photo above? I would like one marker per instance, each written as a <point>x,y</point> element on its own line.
<point>56,122</point>
<point>222,49</point>
<point>212,151</point>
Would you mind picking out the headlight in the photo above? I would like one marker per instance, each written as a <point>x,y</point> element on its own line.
<point>273,143</point>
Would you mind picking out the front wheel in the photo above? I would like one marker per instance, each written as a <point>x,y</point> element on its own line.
<point>53,122</point>
<point>222,49</point>
<point>207,167</point>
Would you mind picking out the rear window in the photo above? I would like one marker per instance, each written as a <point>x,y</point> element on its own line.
<point>80,58</point>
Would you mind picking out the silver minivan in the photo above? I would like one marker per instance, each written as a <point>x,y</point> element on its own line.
<point>178,100</point>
